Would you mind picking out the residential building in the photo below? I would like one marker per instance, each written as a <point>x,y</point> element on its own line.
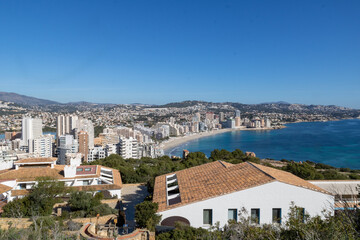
<point>66,124</point>
<point>267,123</point>
<point>7,158</point>
<point>128,148</point>
<point>87,126</point>
<point>96,153</point>
<point>209,116</point>
<point>222,117</point>
<point>41,146</point>
<point>83,138</point>
<point>216,192</point>
<point>346,192</point>
<point>237,121</point>
<point>110,149</point>
<point>67,145</point>
<point>31,128</point>
<point>12,135</point>
<point>16,183</point>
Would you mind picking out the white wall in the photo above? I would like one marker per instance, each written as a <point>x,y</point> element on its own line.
<point>266,197</point>
<point>116,193</point>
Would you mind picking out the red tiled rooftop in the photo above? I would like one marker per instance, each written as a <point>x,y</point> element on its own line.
<point>219,178</point>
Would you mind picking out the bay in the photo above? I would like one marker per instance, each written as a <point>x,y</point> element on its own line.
<point>336,143</point>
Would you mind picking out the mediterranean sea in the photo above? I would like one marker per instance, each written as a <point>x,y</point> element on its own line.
<point>2,136</point>
<point>336,143</point>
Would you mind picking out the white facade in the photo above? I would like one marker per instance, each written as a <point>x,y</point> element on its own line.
<point>66,124</point>
<point>96,153</point>
<point>128,148</point>
<point>7,159</point>
<point>264,197</point>
<point>110,149</point>
<point>41,146</point>
<point>31,129</point>
<point>90,178</point>
<point>67,144</point>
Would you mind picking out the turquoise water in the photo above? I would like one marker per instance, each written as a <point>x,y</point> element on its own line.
<point>336,143</point>
<point>2,136</point>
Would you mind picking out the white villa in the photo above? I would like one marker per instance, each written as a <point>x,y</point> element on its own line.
<point>216,192</point>
<point>15,183</point>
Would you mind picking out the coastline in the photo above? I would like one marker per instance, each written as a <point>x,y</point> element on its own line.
<point>176,141</point>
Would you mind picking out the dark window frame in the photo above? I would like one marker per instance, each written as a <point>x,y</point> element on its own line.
<point>277,219</point>
<point>210,222</point>
<point>257,213</point>
<point>236,215</point>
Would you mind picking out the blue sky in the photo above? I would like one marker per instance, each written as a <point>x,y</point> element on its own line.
<point>164,51</point>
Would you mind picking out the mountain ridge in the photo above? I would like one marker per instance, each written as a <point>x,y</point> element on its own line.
<point>33,102</point>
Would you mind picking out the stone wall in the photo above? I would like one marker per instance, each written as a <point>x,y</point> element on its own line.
<point>15,222</point>
<point>102,220</point>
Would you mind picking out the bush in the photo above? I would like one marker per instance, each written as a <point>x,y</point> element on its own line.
<point>103,209</point>
<point>145,215</point>
<point>73,226</point>
<point>82,201</point>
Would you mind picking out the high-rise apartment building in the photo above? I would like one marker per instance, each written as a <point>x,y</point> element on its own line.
<point>222,117</point>
<point>128,148</point>
<point>209,116</point>
<point>41,146</point>
<point>66,124</point>
<point>88,127</point>
<point>237,113</point>
<point>84,144</point>
<point>67,144</point>
<point>237,121</point>
<point>31,129</point>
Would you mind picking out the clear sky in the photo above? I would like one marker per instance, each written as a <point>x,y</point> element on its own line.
<point>164,51</point>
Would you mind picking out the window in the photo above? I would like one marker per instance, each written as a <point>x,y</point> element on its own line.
<point>86,182</point>
<point>87,169</point>
<point>276,215</point>
<point>232,214</point>
<point>79,169</point>
<point>207,217</point>
<point>300,214</point>
<point>22,186</point>
<point>255,215</point>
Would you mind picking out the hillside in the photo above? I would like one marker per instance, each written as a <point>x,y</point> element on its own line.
<point>25,100</point>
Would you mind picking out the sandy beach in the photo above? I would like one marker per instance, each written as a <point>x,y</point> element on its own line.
<point>175,141</point>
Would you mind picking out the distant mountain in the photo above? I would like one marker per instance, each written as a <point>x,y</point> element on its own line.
<point>279,102</point>
<point>25,100</point>
<point>183,104</point>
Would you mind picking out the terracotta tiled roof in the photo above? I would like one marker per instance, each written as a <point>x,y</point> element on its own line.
<point>286,177</point>
<point>20,192</point>
<point>4,188</point>
<point>36,160</point>
<point>219,178</point>
<point>23,192</point>
<point>32,173</point>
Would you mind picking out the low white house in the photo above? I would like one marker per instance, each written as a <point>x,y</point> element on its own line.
<point>346,192</point>
<point>216,192</point>
<point>16,183</point>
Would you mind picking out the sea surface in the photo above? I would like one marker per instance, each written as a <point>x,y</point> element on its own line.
<point>2,136</point>
<point>336,143</point>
